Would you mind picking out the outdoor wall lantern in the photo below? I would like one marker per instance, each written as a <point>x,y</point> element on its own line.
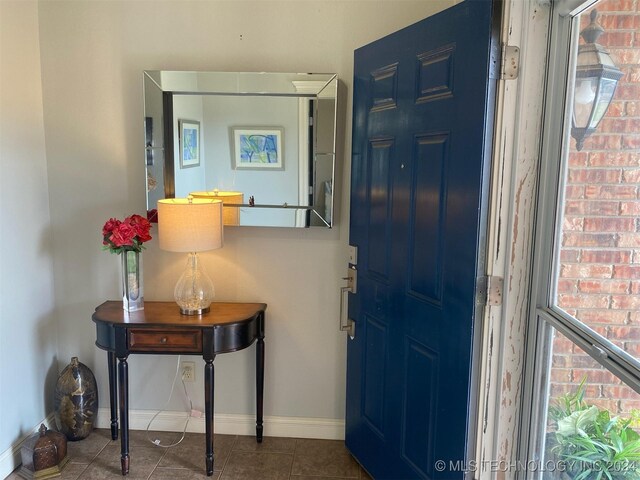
<point>596,80</point>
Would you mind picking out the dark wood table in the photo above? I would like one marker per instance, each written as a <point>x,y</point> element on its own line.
<point>161,329</point>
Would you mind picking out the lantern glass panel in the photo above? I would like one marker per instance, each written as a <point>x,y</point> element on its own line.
<point>584,96</point>
<point>587,58</point>
<point>606,60</point>
<point>607,89</point>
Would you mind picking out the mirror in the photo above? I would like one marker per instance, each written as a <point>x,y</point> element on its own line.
<point>263,143</point>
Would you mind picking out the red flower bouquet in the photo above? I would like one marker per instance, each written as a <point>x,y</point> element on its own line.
<point>127,235</point>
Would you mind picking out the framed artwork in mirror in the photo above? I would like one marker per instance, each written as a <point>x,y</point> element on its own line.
<point>189,143</point>
<point>257,148</point>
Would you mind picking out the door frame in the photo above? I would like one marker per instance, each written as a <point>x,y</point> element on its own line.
<point>515,167</point>
<point>557,89</point>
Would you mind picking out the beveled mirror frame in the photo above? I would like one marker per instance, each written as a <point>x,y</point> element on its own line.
<point>316,96</point>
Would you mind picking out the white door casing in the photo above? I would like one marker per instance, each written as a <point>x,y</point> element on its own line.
<point>515,168</point>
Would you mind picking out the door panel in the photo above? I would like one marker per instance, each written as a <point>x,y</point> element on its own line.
<point>379,199</point>
<point>427,206</point>
<point>419,416</point>
<point>421,107</point>
<point>374,382</point>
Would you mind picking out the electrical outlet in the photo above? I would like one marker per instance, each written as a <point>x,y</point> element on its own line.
<point>188,371</point>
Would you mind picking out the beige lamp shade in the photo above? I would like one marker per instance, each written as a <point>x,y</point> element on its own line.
<point>189,225</point>
<point>230,215</point>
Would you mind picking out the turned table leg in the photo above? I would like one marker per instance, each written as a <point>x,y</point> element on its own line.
<point>113,394</point>
<point>209,379</point>
<point>123,388</point>
<point>259,387</point>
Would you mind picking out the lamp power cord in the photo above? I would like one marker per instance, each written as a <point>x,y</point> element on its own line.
<point>156,442</point>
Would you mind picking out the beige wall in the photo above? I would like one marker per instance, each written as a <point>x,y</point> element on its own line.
<point>88,86</point>
<point>28,364</point>
<point>93,55</point>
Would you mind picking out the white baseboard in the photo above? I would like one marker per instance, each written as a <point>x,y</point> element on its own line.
<point>293,427</point>
<point>10,458</point>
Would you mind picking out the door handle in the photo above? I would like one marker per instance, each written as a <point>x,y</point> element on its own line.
<point>346,324</point>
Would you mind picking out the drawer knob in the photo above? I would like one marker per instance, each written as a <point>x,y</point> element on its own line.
<point>163,340</point>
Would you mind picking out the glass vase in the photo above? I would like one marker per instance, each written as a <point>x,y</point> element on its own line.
<point>132,291</point>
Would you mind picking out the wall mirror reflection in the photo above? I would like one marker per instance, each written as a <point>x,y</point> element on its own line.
<point>264,143</point>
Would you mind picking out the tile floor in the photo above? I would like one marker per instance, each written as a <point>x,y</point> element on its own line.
<point>97,457</point>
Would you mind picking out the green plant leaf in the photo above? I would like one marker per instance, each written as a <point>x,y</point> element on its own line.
<point>583,474</point>
<point>610,424</point>
<point>577,422</point>
<point>631,435</point>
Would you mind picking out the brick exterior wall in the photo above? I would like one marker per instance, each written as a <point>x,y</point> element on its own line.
<point>599,277</point>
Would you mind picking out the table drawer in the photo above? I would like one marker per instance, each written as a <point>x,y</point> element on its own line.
<point>184,340</point>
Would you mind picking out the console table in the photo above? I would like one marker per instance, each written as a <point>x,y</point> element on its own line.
<point>161,329</point>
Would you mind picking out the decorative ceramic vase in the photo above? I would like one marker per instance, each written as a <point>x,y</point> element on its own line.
<point>76,400</point>
<point>132,291</point>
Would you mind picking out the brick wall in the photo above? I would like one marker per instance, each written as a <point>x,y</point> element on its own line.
<point>599,277</point>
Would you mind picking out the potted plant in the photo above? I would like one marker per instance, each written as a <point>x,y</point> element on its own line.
<point>588,443</point>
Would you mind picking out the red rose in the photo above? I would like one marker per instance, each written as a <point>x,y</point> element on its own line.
<point>143,236</point>
<point>142,227</point>
<point>123,235</point>
<point>129,234</point>
<point>111,224</point>
<point>136,219</point>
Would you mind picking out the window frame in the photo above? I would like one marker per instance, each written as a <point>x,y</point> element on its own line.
<point>544,314</point>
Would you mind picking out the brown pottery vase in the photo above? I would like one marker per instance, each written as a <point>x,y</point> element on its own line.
<point>76,400</point>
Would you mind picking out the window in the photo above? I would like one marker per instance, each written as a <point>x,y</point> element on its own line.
<point>585,329</point>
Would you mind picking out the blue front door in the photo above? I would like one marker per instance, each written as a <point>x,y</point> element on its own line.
<point>421,131</point>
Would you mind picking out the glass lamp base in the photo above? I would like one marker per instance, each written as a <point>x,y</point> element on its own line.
<point>194,290</point>
<point>197,311</point>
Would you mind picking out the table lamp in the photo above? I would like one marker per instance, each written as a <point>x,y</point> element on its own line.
<point>191,225</point>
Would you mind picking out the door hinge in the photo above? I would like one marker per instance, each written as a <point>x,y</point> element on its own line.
<point>495,286</point>
<point>489,291</point>
<point>510,63</point>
